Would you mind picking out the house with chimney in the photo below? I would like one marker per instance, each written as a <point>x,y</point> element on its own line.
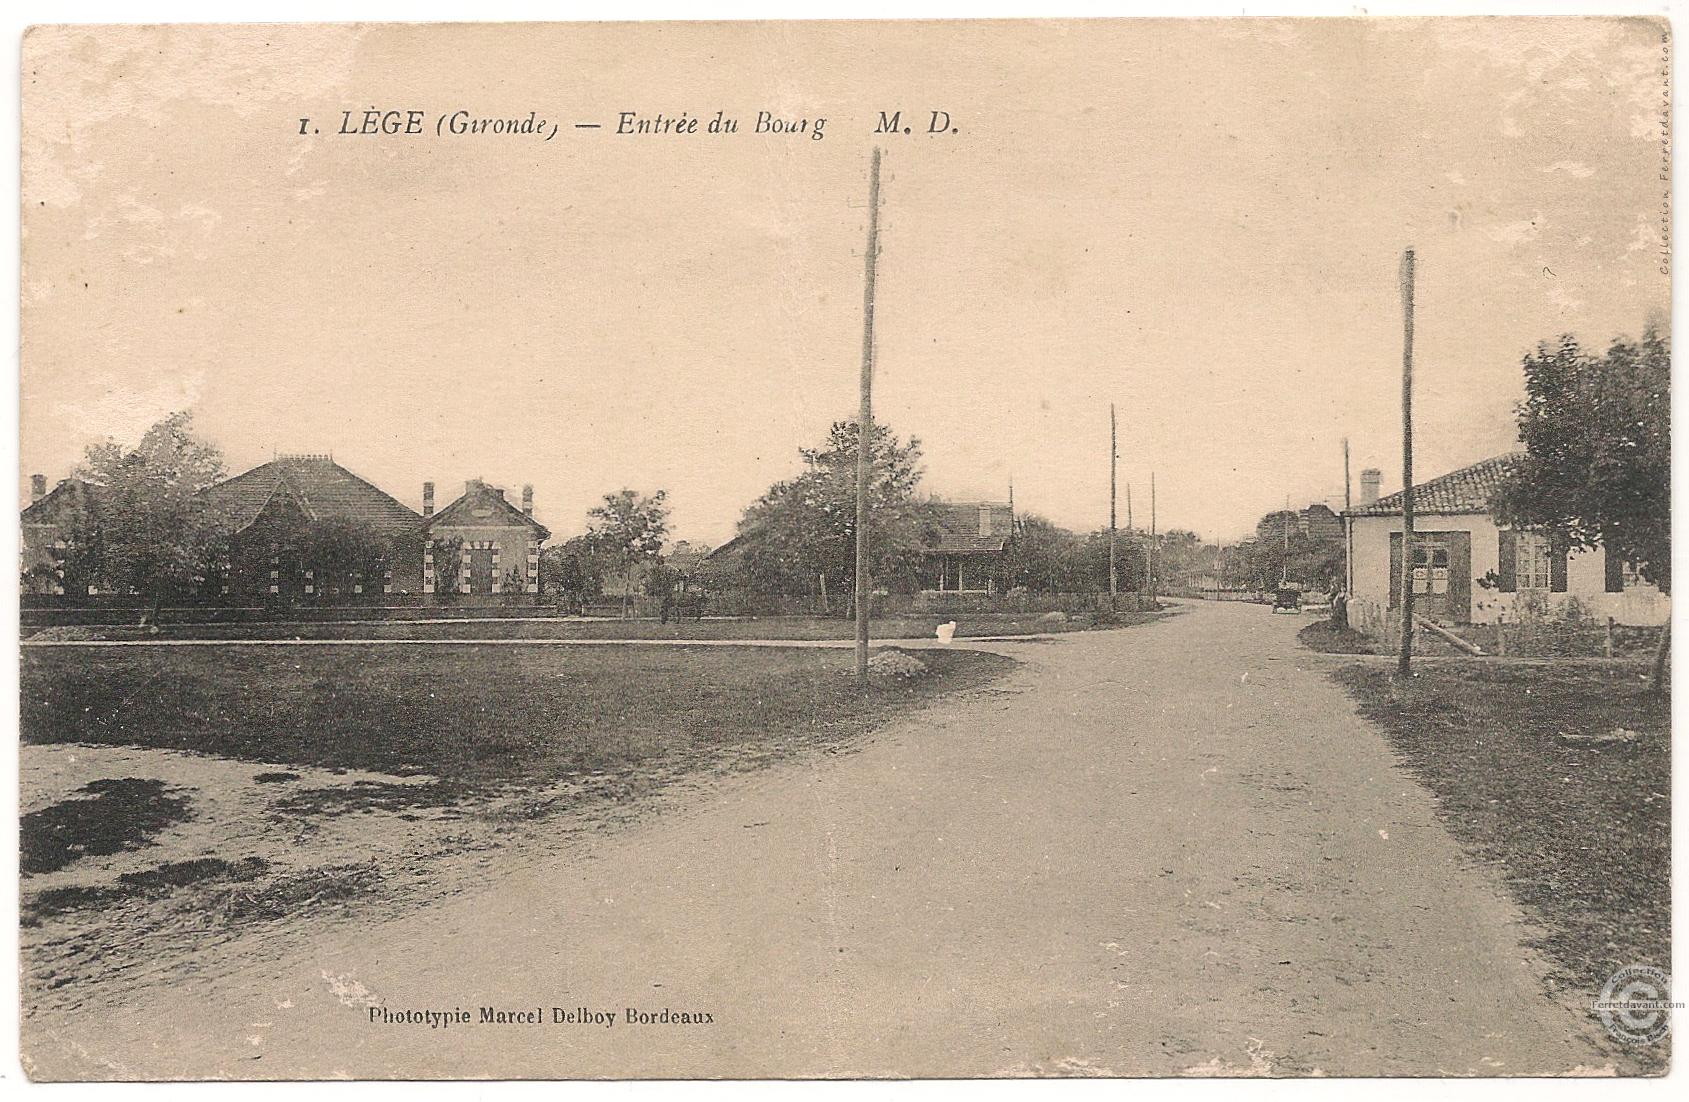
<point>970,552</point>
<point>481,543</point>
<point>270,511</point>
<point>49,524</point>
<point>1466,568</point>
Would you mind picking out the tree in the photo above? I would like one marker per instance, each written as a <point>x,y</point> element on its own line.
<point>447,553</point>
<point>804,529</point>
<point>1596,470</point>
<point>1044,557</point>
<point>1182,559</point>
<point>632,528</point>
<point>343,553</point>
<point>157,534</point>
<point>573,571</point>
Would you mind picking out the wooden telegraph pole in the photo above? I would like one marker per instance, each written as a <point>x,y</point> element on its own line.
<point>1348,527</point>
<point>1154,541</point>
<point>1404,661</point>
<point>1113,463</point>
<point>865,421</point>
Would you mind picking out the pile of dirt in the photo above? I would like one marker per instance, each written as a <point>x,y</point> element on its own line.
<point>896,665</point>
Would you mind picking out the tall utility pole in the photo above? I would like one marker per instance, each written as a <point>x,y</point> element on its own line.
<point>1154,541</point>
<point>1348,535</point>
<point>1113,463</point>
<point>1404,661</point>
<point>1284,560</point>
<point>865,420</point>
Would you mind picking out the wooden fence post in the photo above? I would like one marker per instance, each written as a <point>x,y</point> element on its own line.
<point>1609,645</point>
<point>1501,635</point>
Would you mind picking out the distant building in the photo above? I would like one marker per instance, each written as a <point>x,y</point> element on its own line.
<point>972,546</point>
<point>1318,522</point>
<point>498,545</point>
<point>48,524</point>
<point>271,508</point>
<point>1458,546</point>
<point>1321,524</point>
<point>269,512</point>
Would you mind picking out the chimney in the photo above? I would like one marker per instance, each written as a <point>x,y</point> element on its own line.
<point>427,499</point>
<point>37,487</point>
<point>528,499</point>
<point>1370,478</point>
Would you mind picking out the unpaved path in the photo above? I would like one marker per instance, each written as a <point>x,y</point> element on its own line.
<point>1173,849</point>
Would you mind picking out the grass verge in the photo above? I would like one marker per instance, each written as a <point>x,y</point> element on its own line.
<point>465,715</point>
<point>770,627</point>
<point>1561,775</point>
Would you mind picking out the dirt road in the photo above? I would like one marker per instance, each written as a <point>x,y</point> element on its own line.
<point>1172,849</point>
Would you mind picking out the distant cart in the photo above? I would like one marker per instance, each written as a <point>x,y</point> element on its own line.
<point>1288,598</point>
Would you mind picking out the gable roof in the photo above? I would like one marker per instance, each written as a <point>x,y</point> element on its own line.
<point>50,508</point>
<point>960,529</point>
<point>322,487</point>
<point>1468,490</point>
<point>484,506</point>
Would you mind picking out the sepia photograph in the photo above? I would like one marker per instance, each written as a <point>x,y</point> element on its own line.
<point>845,549</point>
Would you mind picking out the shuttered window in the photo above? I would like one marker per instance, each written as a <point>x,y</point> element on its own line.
<point>1533,561</point>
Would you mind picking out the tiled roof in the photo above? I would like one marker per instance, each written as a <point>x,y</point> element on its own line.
<point>484,506</point>
<point>1468,490</point>
<point>959,527</point>
<point>323,487</point>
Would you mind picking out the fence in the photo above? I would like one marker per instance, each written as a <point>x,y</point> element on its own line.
<point>1531,637</point>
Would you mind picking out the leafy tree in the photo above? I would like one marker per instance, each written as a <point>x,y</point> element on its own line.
<point>1597,462</point>
<point>448,566</point>
<point>157,534</point>
<point>1182,558</point>
<point>343,553</point>
<point>573,571</point>
<point>632,528</point>
<point>804,528</point>
<point>1283,551</point>
<point>1044,557</point>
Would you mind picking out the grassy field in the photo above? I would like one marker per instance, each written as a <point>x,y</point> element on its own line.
<point>771,627</point>
<point>1562,775</point>
<point>319,780</point>
<point>461,714</point>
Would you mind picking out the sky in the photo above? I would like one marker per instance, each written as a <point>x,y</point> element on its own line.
<point>1198,222</point>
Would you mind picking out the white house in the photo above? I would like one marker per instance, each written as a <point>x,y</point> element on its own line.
<point>1467,569</point>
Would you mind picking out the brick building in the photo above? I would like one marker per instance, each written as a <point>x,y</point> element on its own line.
<point>271,512</point>
<point>270,508</point>
<point>493,546</point>
<point>47,525</point>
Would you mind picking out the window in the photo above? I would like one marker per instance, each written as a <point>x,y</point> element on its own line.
<point>1431,568</point>
<point>1532,560</point>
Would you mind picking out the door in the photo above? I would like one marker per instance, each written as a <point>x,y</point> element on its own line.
<point>1442,575</point>
<point>481,570</point>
